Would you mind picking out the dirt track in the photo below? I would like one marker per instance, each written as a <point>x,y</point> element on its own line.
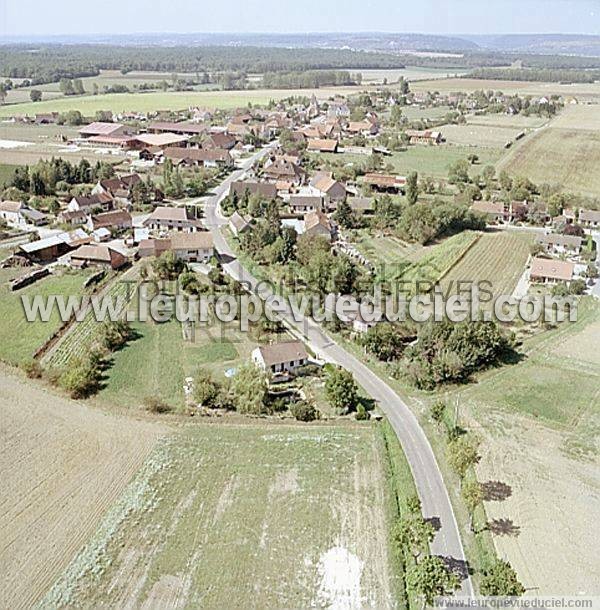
<point>62,465</point>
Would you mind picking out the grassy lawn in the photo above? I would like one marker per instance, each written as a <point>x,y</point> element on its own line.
<point>285,516</point>
<point>6,173</point>
<point>157,362</point>
<point>435,160</point>
<point>18,338</point>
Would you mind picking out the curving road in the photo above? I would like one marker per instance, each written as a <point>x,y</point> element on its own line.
<point>426,473</point>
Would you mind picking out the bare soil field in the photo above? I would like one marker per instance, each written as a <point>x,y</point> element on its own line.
<point>256,515</point>
<point>62,466</point>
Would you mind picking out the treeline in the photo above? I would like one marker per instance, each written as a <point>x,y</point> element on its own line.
<point>50,63</point>
<point>537,74</point>
<point>310,79</point>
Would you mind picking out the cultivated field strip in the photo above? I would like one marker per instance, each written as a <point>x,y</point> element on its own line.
<point>62,466</point>
<point>80,336</point>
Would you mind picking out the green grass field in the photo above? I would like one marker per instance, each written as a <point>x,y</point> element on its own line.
<point>497,259</point>
<point>18,338</point>
<point>6,173</point>
<point>264,516</point>
<point>472,135</point>
<point>558,382</point>
<point>88,105</point>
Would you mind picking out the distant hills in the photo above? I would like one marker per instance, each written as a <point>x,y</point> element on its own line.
<point>548,44</point>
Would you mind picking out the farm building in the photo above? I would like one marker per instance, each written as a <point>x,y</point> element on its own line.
<point>303,203</point>
<point>385,182</point>
<point>494,211</point>
<point>116,220</point>
<point>322,145</point>
<point>45,250</point>
<point>97,256</point>
<point>332,191</point>
<point>428,137</point>
<point>203,157</point>
<point>100,128</point>
<point>285,357</point>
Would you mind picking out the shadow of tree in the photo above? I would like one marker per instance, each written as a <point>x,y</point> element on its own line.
<point>435,523</point>
<point>503,527</point>
<point>459,567</point>
<point>496,491</point>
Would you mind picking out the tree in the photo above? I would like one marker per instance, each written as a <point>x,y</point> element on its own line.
<point>344,215</point>
<point>206,389</point>
<point>341,390</point>
<point>472,494</point>
<point>35,95</point>
<point>414,534</point>
<point>385,341</point>
<point>458,172</point>
<point>167,266</point>
<point>431,578</point>
<point>249,390</point>
<point>3,92</point>
<point>438,409</point>
<point>461,454</point>
<point>501,579</point>
<point>412,188</point>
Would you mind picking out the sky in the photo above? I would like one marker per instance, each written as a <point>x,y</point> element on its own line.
<point>55,17</point>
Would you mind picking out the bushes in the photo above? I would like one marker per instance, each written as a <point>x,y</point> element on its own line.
<point>304,410</point>
<point>156,405</point>
<point>341,390</point>
<point>448,353</point>
<point>32,368</point>
<point>82,378</point>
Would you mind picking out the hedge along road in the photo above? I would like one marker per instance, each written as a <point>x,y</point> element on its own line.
<point>426,473</point>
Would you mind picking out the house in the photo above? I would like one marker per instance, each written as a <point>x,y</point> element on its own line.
<point>424,137</point>
<point>284,357</point>
<point>117,220</point>
<point>189,247</point>
<point>102,201</point>
<point>12,212</point>
<point>554,243</point>
<point>118,188</point>
<point>316,224</point>
<point>338,109</point>
<point>97,256</point>
<point>99,128</point>
<point>78,217</point>
<point>239,224</point>
<point>203,157</point>
<point>494,211</point>
<point>170,219</point>
<point>197,247</point>
<point>101,234</point>
<point>332,191</point>
<point>45,250</point>
<point>364,128</point>
<point>282,169</point>
<point>265,190</point>
<point>322,145</point>
<point>385,182</point>
<point>551,271</point>
<point>589,218</point>
<point>219,140</point>
<point>303,203</point>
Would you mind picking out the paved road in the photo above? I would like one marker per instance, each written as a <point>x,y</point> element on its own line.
<point>428,479</point>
